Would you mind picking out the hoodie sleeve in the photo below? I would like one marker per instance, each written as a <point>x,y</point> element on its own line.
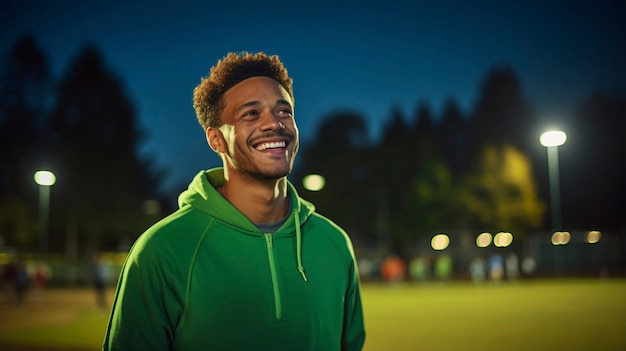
<point>145,309</point>
<point>353,336</point>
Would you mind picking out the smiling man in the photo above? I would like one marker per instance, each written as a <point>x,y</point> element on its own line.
<point>244,263</point>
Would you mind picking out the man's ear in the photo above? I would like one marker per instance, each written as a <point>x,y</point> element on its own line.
<point>216,141</point>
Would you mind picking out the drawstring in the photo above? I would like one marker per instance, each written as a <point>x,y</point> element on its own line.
<point>299,247</point>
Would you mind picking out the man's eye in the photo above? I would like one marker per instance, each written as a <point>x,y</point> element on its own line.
<point>284,112</point>
<point>251,113</point>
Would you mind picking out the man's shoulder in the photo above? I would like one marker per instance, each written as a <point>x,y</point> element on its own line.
<point>325,223</point>
<point>179,232</point>
<point>176,225</point>
<point>327,227</point>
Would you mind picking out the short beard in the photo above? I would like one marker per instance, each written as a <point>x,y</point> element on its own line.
<point>254,172</point>
<point>263,176</point>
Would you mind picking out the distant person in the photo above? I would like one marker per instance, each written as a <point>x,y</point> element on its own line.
<point>512,266</point>
<point>529,265</point>
<point>419,269</point>
<point>22,281</point>
<point>393,269</point>
<point>40,276</point>
<point>478,270</point>
<point>244,263</point>
<point>99,278</point>
<point>443,267</point>
<point>496,268</point>
<point>9,281</point>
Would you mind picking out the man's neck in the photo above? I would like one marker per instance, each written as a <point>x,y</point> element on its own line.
<point>261,201</point>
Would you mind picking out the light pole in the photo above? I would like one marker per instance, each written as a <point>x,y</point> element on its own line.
<point>552,140</point>
<point>45,179</point>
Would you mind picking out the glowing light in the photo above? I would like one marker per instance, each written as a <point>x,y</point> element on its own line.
<point>593,236</point>
<point>313,182</point>
<point>483,239</point>
<point>45,178</point>
<point>503,239</point>
<point>560,238</point>
<point>440,242</point>
<point>553,138</point>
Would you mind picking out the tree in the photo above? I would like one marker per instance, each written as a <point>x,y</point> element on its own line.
<point>24,96</point>
<point>452,133</point>
<point>593,165</point>
<point>430,202</point>
<point>502,114</point>
<point>104,182</point>
<point>340,153</point>
<point>499,193</point>
<point>406,152</point>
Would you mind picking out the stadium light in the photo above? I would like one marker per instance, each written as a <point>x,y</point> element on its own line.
<point>45,179</point>
<point>552,140</point>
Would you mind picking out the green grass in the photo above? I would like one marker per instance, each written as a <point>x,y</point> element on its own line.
<point>528,315</point>
<point>85,332</point>
<point>531,315</point>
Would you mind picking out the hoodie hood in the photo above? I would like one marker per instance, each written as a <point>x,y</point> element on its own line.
<point>202,194</point>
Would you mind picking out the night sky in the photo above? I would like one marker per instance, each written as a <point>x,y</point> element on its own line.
<point>360,56</point>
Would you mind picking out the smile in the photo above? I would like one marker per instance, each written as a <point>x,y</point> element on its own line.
<point>271,145</point>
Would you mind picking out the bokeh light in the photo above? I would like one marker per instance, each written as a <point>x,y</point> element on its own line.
<point>593,237</point>
<point>560,238</point>
<point>314,182</point>
<point>440,242</point>
<point>503,239</point>
<point>483,239</point>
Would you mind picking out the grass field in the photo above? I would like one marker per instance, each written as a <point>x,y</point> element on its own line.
<point>531,315</point>
<point>527,315</point>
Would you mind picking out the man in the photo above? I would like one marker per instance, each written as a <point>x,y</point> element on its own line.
<point>244,263</point>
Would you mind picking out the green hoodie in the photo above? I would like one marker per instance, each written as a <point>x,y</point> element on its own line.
<point>205,278</point>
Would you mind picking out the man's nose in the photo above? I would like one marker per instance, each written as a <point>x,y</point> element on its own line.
<point>271,122</point>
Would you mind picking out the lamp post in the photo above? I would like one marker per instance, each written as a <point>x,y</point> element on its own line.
<point>45,179</point>
<point>552,140</point>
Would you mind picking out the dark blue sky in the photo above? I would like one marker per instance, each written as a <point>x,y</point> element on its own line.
<point>356,55</point>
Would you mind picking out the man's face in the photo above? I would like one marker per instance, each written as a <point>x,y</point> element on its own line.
<point>259,128</point>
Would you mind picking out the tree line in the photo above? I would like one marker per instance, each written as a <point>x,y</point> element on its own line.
<point>483,170</point>
<point>479,170</point>
<point>83,127</point>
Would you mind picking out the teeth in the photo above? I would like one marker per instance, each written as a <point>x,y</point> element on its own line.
<point>266,146</point>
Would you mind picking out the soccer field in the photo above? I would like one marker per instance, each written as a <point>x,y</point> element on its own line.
<point>584,314</point>
<point>527,315</point>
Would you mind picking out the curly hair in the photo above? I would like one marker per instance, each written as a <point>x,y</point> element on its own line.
<point>228,72</point>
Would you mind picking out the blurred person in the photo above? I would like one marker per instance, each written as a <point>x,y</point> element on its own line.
<point>443,267</point>
<point>99,279</point>
<point>366,267</point>
<point>529,265</point>
<point>512,266</point>
<point>22,281</point>
<point>9,281</point>
<point>244,263</point>
<point>40,275</point>
<point>393,269</point>
<point>478,270</point>
<point>419,269</point>
<point>496,268</point>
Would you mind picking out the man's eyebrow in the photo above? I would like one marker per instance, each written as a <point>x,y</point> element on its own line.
<point>283,102</point>
<point>248,104</point>
<point>256,103</point>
